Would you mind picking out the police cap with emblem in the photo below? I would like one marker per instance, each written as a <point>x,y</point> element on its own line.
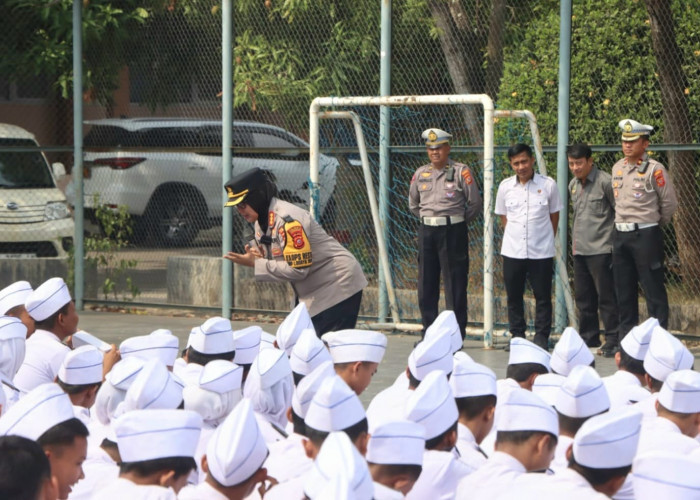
<point>434,137</point>
<point>633,130</point>
<point>241,185</point>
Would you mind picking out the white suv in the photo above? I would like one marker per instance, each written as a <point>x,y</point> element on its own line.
<point>35,220</point>
<point>173,192</point>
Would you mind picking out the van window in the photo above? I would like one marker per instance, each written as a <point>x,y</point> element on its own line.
<point>23,169</point>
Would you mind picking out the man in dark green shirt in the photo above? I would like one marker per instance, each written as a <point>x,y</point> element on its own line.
<point>593,223</point>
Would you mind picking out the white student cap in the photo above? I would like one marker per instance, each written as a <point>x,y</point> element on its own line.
<point>82,366</point>
<point>308,386</point>
<point>348,346</point>
<point>308,353</point>
<point>524,411</point>
<point>471,379</point>
<point>636,342</point>
<point>151,434</point>
<point>334,407</point>
<point>246,342</point>
<point>339,457</point>
<point>269,367</point>
<point>633,130</point>
<point>681,392</point>
<point>524,351</point>
<point>665,474</point>
<point>570,351</point>
<point>13,336</point>
<point>547,386</point>
<point>432,353</point>
<point>267,340</point>
<point>14,295</point>
<point>432,405</point>
<point>582,394</point>
<point>113,391</point>
<point>160,344</point>
<point>214,336</point>
<point>289,330</point>
<point>37,412</point>
<point>666,354</point>
<point>447,320</point>
<point>217,391</point>
<point>434,137</point>
<point>48,298</point>
<point>154,388</point>
<point>237,449</point>
<point>12,328</point>
<point>608,440</point>
<point>397,442</point>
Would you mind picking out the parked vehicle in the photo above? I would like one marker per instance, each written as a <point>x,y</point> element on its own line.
<point>35,220</point>
<point>167,171</point>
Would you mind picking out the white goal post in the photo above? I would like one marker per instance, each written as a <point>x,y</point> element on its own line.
<point>316,113</point>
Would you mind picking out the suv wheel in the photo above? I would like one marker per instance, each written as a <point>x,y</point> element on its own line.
<point>173,217</point>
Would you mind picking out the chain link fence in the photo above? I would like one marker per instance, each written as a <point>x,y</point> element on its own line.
<point>152,134</point>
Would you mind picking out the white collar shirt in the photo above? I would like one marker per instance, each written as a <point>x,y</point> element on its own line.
<point>495,477</point>
<point>566,484</point>
<point>441,474</point>
<point>504,387</point>
<point>287,458</point>
<point>624,388</point>
<point>43,357</point>
<point>292,489</point>
<point>121,488</point>
<point>648,407</point>
<point>469,451</point>
<point>382,492</point>
<point>201,491</point>
<point>529,233</point>
<point>660,434</point>
<point>99,469</point>
<point>560,462</point>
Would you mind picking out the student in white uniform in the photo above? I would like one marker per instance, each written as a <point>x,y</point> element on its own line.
<point>581,396</point>
<point>569,351</point>
<point>233,462</point>
<point>547,387</point>
<point>395,458</point>
<point>214,397</point>
<point>269,387</point>
<point>433,406</point>
<point>53,311</point>
<point>434,352</point>
<point>665,355</point>
<point>13,335</point>
<point>12,299</point>
<point>246,343</point>
<point>308,353</point>
<point>101,466</point>
<point>46,415</point>
<point>474,388</point>
<point>338,457</point>
<point>154,388</point>
<point>157,451</point>
<point>668,475</point>
<point>80,377</point>
<point>160,344</point>
<point>447,320</point>
<point>356,355</point>
<point>25,471</point>
<point>288,458</point>
<point>599,460</point>
<point>291,327</point>
<point>212,340</point>
<point>527,437</point>
<point>627,385</point>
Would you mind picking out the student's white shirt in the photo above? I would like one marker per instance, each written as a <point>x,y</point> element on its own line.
<point>648,407</point>
<point>43,357</point>
<point>292,489</point>
<point>287,458</point>
<point>123,489</point>
<point>503,388</point>
<point>469,450</point>
<point>441,474</point>
<point>494,478</point>
<point>201,491</point>
<point>99,469</point>
<point>624,388</point>
<point>566,484</point>
<point>560,462</point>
<point>382,492</point>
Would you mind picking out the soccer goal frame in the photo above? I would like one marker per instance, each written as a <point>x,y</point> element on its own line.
<point>317,113</point>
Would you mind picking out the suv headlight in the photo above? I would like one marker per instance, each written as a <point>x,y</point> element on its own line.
<point>56,210</point>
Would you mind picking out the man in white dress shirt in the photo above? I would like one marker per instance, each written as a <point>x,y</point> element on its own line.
<point>56,319</point>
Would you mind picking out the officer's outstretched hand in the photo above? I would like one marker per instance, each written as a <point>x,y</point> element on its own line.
<point>244,259</point>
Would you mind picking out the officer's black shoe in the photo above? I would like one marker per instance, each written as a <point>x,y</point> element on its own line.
<point>608,349</point>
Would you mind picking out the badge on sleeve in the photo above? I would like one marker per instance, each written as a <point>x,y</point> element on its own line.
<point>659,177</point>
<point>297,249</point>
<point>467,176</point>
<point>414,177</point>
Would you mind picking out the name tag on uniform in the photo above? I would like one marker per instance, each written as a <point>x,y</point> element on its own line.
<point>450,194</point>
<point>425,174</point>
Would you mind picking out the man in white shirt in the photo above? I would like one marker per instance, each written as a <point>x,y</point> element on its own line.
<point>528,204</point>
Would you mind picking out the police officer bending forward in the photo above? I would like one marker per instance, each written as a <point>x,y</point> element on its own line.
<point>445,197</point>
<point>291,246</point>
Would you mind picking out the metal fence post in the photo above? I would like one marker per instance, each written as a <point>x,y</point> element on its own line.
<point>384,141</point>
<point>226,152</point>
<point>78,214</point>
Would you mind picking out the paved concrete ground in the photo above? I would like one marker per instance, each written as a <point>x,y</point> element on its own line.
<point>115,327</point>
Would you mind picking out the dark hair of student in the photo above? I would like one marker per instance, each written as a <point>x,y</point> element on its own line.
<point>50,322</point>
<point>596,477</point>
<point>519,437</point>
<point>194,356</point>
<point>472,407</point>
<point>630,364</point>
<point>63,434</point>
<point>180,465</point>
<point>354,431</point>
<point>432,443</point>
<point>520,372</point>
<point>24,467</point>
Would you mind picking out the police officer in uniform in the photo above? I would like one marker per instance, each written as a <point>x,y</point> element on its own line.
<point>290,246</point>
<point>445,196</point>
<point>644,201</point>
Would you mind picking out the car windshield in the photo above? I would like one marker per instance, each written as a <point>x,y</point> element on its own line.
<point>23,169</point>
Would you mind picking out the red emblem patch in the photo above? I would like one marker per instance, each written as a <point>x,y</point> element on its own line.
<point>282,235</point>
<point>659,176</point>
<point>414,177</point>
<point>270,219</point>
<point>297,235</point>
<point>467,176</point>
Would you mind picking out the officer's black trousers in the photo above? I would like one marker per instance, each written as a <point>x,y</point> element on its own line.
<point>443,248</point>
<point>539,273</point>
<point>342,316</point>
<point>595,290</point>
<point>638,257</point>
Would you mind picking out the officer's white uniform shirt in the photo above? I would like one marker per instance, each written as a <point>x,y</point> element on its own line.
<point>624,388</point>
<point>121,488</point>
<point>440,476</point>
<point>469,451</point>
<point>201,491</point>
<point>566,484</point>
<point>560,462</point>
<point>495,477</point>
<point>99,469</point>
<point>382,492</point>
<point>43,358</point>
<point>287,458</point>
<point>529,233</point>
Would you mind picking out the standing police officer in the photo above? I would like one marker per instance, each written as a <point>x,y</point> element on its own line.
<point>445,196</point>
<point>644,200</point>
